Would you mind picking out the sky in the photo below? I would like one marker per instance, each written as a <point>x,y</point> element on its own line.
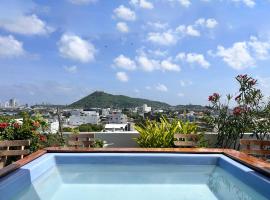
<point>175,51</point>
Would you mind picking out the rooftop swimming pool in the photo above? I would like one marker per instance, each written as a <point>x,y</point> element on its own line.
<point>133,176</point>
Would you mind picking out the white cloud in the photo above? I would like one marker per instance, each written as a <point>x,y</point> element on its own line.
<point>164,38</point>
<point>75,48</point>
<point>142,3</point>
<point>148,87</point>
<point>122,27</point>
<point>208,23</point>
<point>185,83</point>
<point>237,56</point>
<point>158,25</point>
<point>211,23</point>
<point>180,94</point>
<point>124,62</point>
<point>161,87</point>
<point>192,58</point>
<point>10,47</point>
<point>171,36</point>
<point>122,76</point>
<point>72,69</point>
<point>82,2</point>
<point>27,25</point>
<point>184,3</point>
<point>147,64</point>
<point>244,54</point>
<point>261,49</point>
<point>144,62</point>
<point>125,13</point>
<point>167,65</point>
<point>264,84</point>
<point>194,30</point>
<point>137,91</point>
<point>188,30</point>
<point>249,3</point>
<point>158,53</point>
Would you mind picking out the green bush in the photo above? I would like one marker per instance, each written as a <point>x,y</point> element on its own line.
<point>155,134</point>
<point>90,128</point>
<point>67,129</point>
<point>51,140</point>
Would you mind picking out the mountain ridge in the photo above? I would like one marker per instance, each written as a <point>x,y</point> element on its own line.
<point>100,99</point>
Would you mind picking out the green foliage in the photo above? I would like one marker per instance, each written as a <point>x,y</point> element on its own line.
<point>187,127</point>
<point>51,140</point>
<point>91,128</point>
<point>155,134</point>
<point>99,143</point>
<point>67,129</point>
<point>85,128</point>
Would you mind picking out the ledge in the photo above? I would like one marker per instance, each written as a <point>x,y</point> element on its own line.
<point>16,165</point>
<point>250,161</point>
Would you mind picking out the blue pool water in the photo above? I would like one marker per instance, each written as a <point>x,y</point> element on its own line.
<point>101,176</point>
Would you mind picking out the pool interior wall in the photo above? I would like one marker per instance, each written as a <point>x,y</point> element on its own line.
<point>14,183</point>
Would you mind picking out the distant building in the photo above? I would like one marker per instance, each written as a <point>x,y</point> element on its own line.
<point>79,117</point>
<point>115,127</point>
<point>12,103</point>
<point>158,111</point>
<point>105,112</point>
<point>53,127</point>
<point>146,108</point>
<point>117,118</point>
<point>190,116</point>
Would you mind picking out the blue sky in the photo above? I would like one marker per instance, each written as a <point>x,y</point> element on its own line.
<point>176,51</point>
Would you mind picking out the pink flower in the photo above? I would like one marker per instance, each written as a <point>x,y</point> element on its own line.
<point>42,138</point>
<point>214,97</point>
<point>16,125</point>
<point>237,111</point>
<point>36,124</point>
<point>3,125</point>
<point>252,82</point>
<point>240,110</point>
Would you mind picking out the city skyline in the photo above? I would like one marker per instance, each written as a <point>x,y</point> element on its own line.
<point>173,51</point>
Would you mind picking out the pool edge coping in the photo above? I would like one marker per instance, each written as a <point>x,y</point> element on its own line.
<point>249,161</point>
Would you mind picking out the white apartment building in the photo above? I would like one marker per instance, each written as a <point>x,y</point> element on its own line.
<point>105,112</point>
<point>53,127</point>
<point>146,109</point>
<point>79,117</point>
<point>115,127</point>
<point>117,118</point>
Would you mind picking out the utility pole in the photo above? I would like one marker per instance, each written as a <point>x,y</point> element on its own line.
<point>59,121</point>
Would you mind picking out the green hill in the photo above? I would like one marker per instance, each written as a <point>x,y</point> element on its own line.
<point>104,100</point>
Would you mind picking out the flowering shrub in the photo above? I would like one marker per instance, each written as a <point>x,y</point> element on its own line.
<point>214,98</point>
<point>249,115</point>
<point>31,128</point>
